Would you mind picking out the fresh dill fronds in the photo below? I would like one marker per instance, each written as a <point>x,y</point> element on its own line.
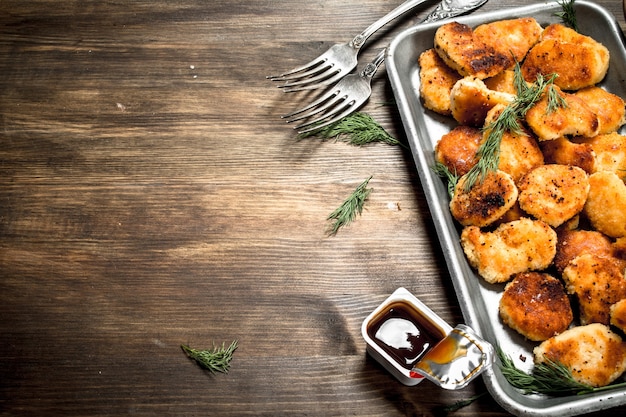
<point>215,360</point>
<point>568,14</point>
<point>353,205</point>
<point>451,177</point>
<point>549,378</point>
<point>488,152</point>
<point>357,129</point>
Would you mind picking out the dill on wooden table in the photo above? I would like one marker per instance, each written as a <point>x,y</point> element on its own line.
<point>215,360</point>
<point>357,129</point>
<point>353,205</point>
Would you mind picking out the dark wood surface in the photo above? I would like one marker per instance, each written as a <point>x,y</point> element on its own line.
<point>151,196</point>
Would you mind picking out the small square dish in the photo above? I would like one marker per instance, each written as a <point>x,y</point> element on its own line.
<point>478,299</point>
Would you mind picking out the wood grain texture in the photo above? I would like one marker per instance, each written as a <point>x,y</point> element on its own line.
<point>151,196</point>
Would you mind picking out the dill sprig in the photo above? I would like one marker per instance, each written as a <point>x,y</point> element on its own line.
<point>357,129</point>
<point>549,378</point>
<point>488,152</point>
<point>215,360</point>
<point>451,177</point>
<point>568,14</point>
<point>353,205</point>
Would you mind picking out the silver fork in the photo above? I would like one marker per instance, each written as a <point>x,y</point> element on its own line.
<point>355,89</point>
<point>339,60</point>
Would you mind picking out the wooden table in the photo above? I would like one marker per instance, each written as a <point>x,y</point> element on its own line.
<point>151,196</point>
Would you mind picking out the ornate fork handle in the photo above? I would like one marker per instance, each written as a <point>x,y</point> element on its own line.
<point>449,8</point>
<point>361,38</point>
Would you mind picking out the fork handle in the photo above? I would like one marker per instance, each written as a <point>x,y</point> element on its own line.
<point>361,38</point>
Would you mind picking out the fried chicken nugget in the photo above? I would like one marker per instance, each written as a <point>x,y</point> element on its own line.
<point>503,82</point>
<point>457,149</point>
<point>519,152</point>
<point>598,282</point>
<point>618,315</point>
<point>553,193</point>
<point>610,153</point>
<point>594,354</point>
<point>456,44</point>
<point>510,37</point>
<point>518,246</point>
<point>607,106</point>
<point>536,306</point>
<point>471,100</point>
<point>572,243</point>
<point>578,60</point>
<point>606,204</point>
<point>576,118</point>
<point>436,82</point>
<point>486,201</point>
<point>565,152</point>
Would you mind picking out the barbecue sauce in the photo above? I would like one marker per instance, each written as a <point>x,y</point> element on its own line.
<point>404,333</point>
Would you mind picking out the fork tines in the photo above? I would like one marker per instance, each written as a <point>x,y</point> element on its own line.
<point>322,71</point>
<point>324,111</point>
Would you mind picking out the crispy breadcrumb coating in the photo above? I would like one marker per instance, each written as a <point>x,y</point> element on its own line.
<point>536,306</point>
<point>593,353</point>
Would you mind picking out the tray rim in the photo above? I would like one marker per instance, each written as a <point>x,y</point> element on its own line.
<point>432,185</point>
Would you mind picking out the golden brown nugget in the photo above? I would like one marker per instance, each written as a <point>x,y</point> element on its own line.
<point>510,37</point>
<point>565,152</point>
<point>553,193</point>
<point>594,354</point>
<point>598,282</point>
<point>618,315</point>
<point>457,149</point>
<point>607,106</point>
<point>471,100</point>
<point>436,82</point>
<point>606,204</point>
<point>486,201</point>
<point>518,246</point>
<point>519,152</point>
<point>610,153</point>
<point>576,118</point>
<point>578,60</point>
<point>535,305</point>
<point>503,82</point>
<point>460,50</point>
<point>573,243</point>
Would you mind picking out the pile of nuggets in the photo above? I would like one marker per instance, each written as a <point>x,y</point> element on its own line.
<point>549,224</point>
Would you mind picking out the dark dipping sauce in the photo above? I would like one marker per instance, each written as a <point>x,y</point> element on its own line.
<point>404,333</point>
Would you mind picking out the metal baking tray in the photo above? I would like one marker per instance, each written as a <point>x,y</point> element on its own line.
<point>478,299</point>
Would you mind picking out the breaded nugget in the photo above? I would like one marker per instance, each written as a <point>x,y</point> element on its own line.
<point>436,82</point>
<point>597,282</point>
<point>503,82</point>
<point>565,152</point>
<point>578,60</point>
<point>573,243</point>
<point>576,118</point>
<point>519,152</point>
<point>486,201</point>
<point>460,50</point>
<point>457,149</point>
<point>594,354</point>
<point>610,153</point>
<point>536,306</point>
<point>618,315</point>
<point>607,106</point>
<point>470,100</point>
<point>518,246</point>
<point>553,193</point>
<point>606,203</point>
<point>513,36</point>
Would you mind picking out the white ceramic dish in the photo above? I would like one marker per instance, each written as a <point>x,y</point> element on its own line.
<point>478,299</point>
